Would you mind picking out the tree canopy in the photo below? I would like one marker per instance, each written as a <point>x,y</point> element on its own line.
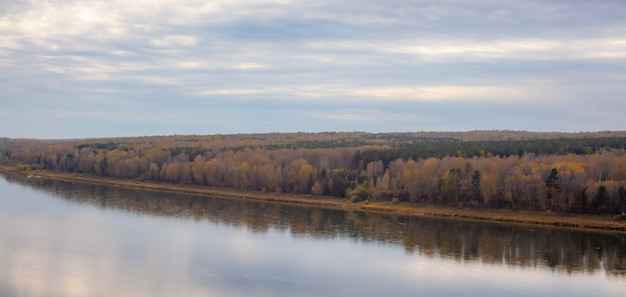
<point>574,172</point>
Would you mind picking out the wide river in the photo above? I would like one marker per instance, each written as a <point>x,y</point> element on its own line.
<point>61,238</point>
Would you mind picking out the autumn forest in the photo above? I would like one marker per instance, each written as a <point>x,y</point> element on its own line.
<point>564,172</point>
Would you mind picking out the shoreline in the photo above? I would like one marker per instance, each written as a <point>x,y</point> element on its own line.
<point>560,220</point>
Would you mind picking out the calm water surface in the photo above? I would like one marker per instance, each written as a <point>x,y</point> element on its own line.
<point>73,239</point>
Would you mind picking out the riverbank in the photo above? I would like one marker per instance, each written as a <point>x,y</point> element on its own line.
<point>562,220</point>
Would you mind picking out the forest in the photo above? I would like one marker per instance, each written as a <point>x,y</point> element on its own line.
<point>564,172</point>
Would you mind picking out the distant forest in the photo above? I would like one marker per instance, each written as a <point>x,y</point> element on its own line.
<point>566,172</point>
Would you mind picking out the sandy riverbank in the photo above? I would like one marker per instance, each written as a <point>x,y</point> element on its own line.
<point>498,215</point>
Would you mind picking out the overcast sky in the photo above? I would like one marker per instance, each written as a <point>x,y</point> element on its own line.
<point>158,67</point>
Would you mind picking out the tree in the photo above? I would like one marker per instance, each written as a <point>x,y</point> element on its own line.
<point>305,175</point>
<point>317,189</point>
<point>452,186</point>
<point>552,186</point>
<point>340,181</point>
<point>381,189</point>
<point>622,198</point>
<point>360,193</point>
<point>599,204</point>
<point>197,170</point>
<point>475,187</point>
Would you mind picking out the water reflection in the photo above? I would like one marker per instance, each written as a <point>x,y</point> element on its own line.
<point>565,251</point>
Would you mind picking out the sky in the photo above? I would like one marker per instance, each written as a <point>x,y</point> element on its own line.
<point>82,69</point>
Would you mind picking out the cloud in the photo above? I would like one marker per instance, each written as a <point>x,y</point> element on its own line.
<point>400,93</point>
<point>441,50</point>
<point>448,93</point>
<point>310,55</point>
<point>174,41</point>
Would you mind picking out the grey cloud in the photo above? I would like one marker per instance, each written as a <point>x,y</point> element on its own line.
<point>297,60</point>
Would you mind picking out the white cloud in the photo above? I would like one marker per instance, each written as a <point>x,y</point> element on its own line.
<point>200,64</point>
<point>346,116</point>
<point>174,41</point>
<point>433,49</point>
<point>439,93</point>
<point>8,43</point>
<point>271,90</point>
<point>375,115</point>
<point>396,93</point>
<point>247,66</point>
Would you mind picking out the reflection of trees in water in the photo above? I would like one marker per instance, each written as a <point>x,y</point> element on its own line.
<point>563,250</point>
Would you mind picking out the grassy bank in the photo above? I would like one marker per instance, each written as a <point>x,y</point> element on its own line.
<point>498,215</point>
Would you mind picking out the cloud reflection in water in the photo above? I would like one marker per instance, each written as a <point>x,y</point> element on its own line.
<point>69,239</point>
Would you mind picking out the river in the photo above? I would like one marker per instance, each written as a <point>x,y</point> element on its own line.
<point>62,238</point>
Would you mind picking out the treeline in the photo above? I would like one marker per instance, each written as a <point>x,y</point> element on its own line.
<point>583,175</point>
<point>468,149</point>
